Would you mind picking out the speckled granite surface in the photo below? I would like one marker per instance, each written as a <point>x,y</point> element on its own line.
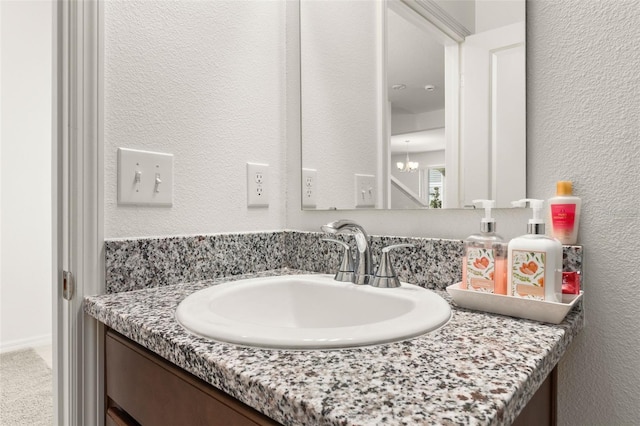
<point>572,258</point>
<point>431,263</point>
<point>478,369</point>
<point>154,262</point>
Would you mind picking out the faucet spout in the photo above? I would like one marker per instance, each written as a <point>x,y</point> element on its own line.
<point>363,262</point>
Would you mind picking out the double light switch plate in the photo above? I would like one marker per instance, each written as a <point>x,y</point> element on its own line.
<point>145,178</point>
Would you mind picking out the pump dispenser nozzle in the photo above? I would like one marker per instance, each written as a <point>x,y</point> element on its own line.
<point>488,224</point>
<point>536,223</point>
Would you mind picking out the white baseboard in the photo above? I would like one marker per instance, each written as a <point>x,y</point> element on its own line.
<point>31,342</point>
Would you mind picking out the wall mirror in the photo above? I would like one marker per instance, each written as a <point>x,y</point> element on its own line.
<point>412,104</point>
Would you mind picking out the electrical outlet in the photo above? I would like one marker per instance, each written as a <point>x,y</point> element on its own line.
<point>309,187</point>
<point>257,185</point>
<point>365,190</point>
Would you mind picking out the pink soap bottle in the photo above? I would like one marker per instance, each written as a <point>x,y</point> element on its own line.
<point>484,265</point>
<point>564,210</point>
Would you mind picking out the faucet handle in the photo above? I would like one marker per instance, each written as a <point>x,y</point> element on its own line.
<point>346,272</point>
<point>385,276</point>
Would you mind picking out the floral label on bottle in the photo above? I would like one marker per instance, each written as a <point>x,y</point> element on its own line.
<point>527,274</point>
<point>563,217</point>
<point>480,269</point>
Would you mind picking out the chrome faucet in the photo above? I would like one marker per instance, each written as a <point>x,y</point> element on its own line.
<point>364,271</point>
<point>363,264</point>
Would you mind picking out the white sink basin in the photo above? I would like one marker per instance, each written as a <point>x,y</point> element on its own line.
<point>310,311</point>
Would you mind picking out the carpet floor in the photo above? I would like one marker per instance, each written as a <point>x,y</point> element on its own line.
<point>25,389</point>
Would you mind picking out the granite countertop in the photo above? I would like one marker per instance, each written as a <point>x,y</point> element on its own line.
<point>478,369</point>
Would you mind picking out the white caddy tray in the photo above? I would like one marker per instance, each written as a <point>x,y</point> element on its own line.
<point>538,310</point>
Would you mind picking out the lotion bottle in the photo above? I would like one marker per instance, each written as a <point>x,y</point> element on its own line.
<point>564,210</point>
<point>534,260</point>
<point>484,262</point>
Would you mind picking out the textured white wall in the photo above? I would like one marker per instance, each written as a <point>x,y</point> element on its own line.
<point>342,90</point>
<point>25,195</point>
<point>584,125</point>
<point>203,80</point>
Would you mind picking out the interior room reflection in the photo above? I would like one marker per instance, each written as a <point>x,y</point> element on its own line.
<point>448,77</point>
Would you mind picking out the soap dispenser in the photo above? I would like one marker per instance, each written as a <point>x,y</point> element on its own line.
<point>484,262</point>
<point>534,260</point>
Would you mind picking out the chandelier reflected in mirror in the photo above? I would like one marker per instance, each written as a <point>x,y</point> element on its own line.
<point>408,166</point>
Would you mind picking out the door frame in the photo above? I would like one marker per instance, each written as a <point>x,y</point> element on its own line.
<point>77,197</point>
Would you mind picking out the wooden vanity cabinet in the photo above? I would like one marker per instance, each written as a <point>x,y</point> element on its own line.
<point>542,408</point>
<point>144,389</point>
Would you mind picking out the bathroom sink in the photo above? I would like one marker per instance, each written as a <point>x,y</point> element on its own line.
<point>310,312</point>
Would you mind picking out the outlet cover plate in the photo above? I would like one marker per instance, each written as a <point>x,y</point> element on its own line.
<point>145,178</point>
<point>257,185</point>
<point>309,188</point>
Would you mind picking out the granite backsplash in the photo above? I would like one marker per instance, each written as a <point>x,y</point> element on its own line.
<point>135,264</point>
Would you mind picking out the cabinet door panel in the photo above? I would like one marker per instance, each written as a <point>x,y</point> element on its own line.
<point>155,392</point>
<point>541,409</point>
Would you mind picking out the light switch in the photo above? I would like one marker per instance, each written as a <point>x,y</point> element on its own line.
<point>365,190</point>
<point>145,178</point>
